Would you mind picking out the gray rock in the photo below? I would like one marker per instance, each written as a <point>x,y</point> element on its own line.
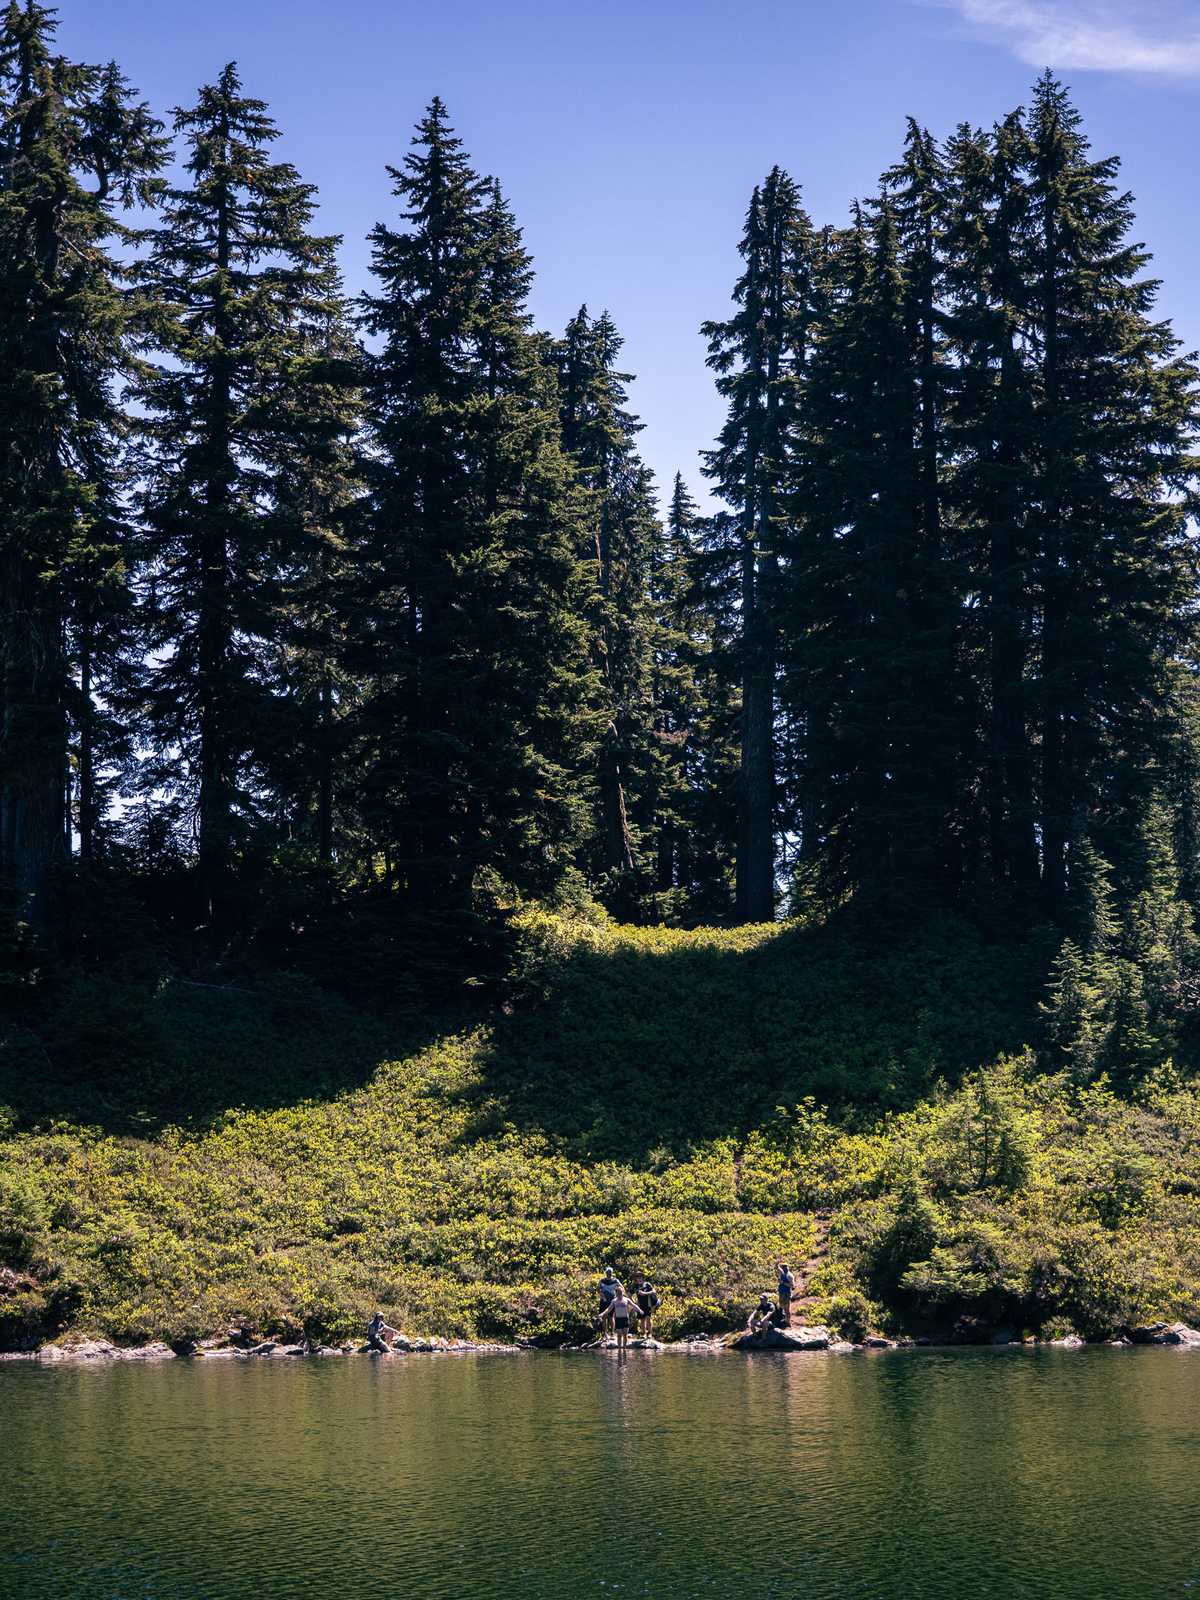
<point>148,1352</point>
<point>1165,1333</point>
<point>85,1350</point>
<point>843,1347</point>
<point>103,1350</point>
<point>876,1341</point>
<point>1070,1341</point>
<point>799,1338</point>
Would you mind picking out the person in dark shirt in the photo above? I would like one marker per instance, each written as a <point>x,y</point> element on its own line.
<point>610,1287</point>
<point>765,1316</point>
<point>375,1332</point>
<point>647,1303</point>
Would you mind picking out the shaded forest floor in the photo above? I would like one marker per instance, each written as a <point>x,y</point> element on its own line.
<point>175,1155</point>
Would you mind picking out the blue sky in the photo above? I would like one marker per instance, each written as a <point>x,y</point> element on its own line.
<point>628,135</point>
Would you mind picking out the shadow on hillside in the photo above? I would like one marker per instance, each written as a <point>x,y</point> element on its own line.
<point>131,1060</point>
<point>635,1053</point>
<point>652,1045</point>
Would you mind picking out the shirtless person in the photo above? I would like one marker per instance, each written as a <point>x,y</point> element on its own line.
<point>620,1309</point>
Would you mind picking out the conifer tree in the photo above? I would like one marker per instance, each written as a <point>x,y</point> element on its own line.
<point>75,149</point>
<point>695,701</point>
<point>1113,425</point>
<point>320,505</point>
<point>757,354</point>
<point>989,441</point>
<point>624,537</point>
<point>477,707</point>
<point>240,288</point>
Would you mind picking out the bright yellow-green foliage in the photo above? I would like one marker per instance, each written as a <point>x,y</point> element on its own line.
<point>650,1098</point>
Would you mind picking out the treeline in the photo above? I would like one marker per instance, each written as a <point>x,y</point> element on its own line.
<point>310,601</point>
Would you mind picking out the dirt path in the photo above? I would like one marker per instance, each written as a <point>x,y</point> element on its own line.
<point>819,1256</point>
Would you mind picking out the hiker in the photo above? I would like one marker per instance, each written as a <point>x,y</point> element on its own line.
<point>648,1303</point>
<point>375,1331</point>
<point>787,1288</point>
<point>610,1287</point>
<point>620,1309</point>
<point>765,1316</point>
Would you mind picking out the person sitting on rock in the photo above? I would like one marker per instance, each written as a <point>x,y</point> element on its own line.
<point>765,1316</point>
<point>377,1328</point>
<point>647,1304</point>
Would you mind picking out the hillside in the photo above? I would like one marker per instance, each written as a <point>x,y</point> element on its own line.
<point>689,1105</point>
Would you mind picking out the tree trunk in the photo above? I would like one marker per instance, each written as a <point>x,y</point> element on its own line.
<point>1054,803</point>
<point>214,628</point>
<point>32,745</point>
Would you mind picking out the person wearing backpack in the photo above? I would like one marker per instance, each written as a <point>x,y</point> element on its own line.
<point>648,1303</point>
<point>787,1288</point>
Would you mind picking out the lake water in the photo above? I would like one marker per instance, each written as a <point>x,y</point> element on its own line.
<point>904,1476</point>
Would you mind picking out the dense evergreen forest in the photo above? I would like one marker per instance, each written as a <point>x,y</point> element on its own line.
<point>354,670</point>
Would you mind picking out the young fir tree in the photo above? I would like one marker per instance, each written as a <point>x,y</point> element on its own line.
<point>75,148</point>
<point>240,288</point>
<point>757,355</point>
<point>476,713</point>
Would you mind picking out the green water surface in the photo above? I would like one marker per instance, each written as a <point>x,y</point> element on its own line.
<point>928,1475</point>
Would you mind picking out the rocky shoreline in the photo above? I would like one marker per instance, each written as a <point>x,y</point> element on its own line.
<point>241,1347</point>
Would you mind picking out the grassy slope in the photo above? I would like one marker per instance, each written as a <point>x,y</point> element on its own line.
<point>652,1098</point>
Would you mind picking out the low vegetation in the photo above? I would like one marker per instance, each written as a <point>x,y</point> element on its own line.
<point>691,1105</point>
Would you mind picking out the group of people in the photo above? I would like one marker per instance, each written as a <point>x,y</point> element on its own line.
<point>777,1313</point>
<point>618,1311</point>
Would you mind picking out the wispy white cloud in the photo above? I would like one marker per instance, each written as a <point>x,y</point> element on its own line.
<point>1090,35</point>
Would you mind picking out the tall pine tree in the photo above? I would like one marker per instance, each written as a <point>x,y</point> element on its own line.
<point>75,148</point>
<point>240,288</point>
<point>478,704</point>
<point>757,355</point>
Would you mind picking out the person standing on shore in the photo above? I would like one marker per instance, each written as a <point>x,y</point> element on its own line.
<point>621,1309</point>
<point>647,1303</point>
<point>787,1288</point>
<point>610,1287</point>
